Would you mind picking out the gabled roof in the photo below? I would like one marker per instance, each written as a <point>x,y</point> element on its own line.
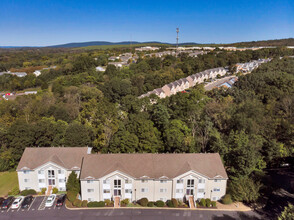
<point>153,165</point>
<point>67,157</point>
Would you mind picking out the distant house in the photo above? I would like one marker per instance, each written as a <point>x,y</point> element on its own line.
<point>100,69</point>
<point>19,74</point>
<point>37,73</point>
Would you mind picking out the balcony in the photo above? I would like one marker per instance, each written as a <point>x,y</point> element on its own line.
<point>128,186</point>
<point>179,186</point>
<point>106,186</point>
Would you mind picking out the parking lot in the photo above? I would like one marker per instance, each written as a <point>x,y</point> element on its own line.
<point>37,205</point>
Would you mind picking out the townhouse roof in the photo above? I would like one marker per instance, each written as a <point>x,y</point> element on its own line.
<point>152,166</point>
<point>67,157</point>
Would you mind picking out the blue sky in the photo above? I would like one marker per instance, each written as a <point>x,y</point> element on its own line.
<point>50,22</point>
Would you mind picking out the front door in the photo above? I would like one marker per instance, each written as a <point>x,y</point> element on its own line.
<point>51,177</point>
<point>117,188</point>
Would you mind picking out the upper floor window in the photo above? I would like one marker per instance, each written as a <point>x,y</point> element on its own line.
<point>163,181</point>
<point>216,189</point>
<point>217,181</point>
<point>128,181</point>
<point>90,181</point>
<point>144,190</point>
<point>106,181</point>
<point>163,190</point>
<point>190,183</point>
<point>117,183</point>
<point>179,190</point>
<point>180,181</point>
<point>26,180</point>
<point>201,180</point>
<point>90,190</point>
<point>144,181</point>
<point>51,173</point>
<point>60,171</point>
<point>106,191</point>
<point>26,172</point>
<point>41,172</point>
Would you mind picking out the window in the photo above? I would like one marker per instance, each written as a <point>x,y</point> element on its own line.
<point>217,181</point>
<point>216,189</point>
<point>163,190</point>
<point>90,181</point>
<point>106,181</point>
<point>26,172</point>
<point>201,190</point>
<point>128,191</point>
<point>106,191</point>
<point>117,183</point>
<point>26,188</point>
<point>190,183</point>
<point>41,172</point>
<point>201,180</point>
<point>41,180</point>
<point>180,181</point>
<point>144,181</point>
<point>26,180</point>
<point>215,198</point>
<point>51,174</point>
<point>128,181</point>
<point>61,180</point>
<point>163,181</point>
<point>144,190</point>
<point>60,171</point>
<point>179,190</point>
<point>90,190</point>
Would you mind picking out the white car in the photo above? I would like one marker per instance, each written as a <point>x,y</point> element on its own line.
<point>50,200</point>
<point>17,202</point>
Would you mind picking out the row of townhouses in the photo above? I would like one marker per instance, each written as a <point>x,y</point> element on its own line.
<point>133,176</point>
<point>186,83</point>
<point>250,66</point>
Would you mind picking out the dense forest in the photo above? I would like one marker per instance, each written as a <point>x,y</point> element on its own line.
<point>250,125</point>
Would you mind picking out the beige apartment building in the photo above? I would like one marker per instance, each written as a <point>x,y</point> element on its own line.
<point>124,176</point>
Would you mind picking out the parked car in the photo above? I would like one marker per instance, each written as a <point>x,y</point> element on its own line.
<point>27,202</point>
<point>1,201</point>
<point>50,200</point>
<point>7,202</point>
<point>17,202</point>
<point>60,200</point>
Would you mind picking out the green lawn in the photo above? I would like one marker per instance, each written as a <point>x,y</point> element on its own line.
<point>8,181</point>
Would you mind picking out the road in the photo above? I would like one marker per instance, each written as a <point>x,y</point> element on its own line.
<point>37,212</point>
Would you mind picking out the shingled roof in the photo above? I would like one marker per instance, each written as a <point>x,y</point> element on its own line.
<point>153,166</point>
<point>67,157</point>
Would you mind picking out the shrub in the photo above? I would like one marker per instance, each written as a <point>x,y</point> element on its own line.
<point>202,202</point>
<point>84,203</point>
<point>28,192</point>
<point>227,199</point>
<point>169,203</point>
<point>150,204</point>
<point>77,203</point>
<point>143,201</point>
<point>43,191</point>
<point>14,191</point>
<point>208,202</point>
<point>125,201</point>
<point>213,203</point>
<point>107,202</point>
<point>96,204</point>
<point>68,204</point>
<point>159,203</point>
<point>54,190</point>
<point>71,195</point>
<point>175,203</point>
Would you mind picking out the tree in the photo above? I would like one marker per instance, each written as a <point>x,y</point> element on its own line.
<point>77,135</point>
<point>288,213</point>
<point>244,189</point>
<point>73,183</point>
<point>160,116</point>
<point>177,137</point>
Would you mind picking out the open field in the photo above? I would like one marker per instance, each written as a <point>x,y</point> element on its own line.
<point>8,180</point>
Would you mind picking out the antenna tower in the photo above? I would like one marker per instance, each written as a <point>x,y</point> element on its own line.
<point>178,37</point>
